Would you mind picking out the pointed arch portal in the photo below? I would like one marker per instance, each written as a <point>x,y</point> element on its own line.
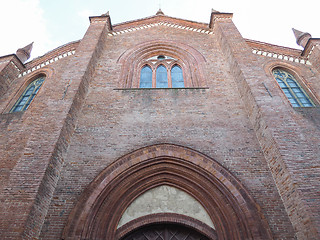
<point>232,210</point>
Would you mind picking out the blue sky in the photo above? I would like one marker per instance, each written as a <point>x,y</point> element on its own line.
<point>53,23</point>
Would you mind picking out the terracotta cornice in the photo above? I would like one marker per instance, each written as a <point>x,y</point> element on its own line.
<point>218,16</point>
<point>102,19</point>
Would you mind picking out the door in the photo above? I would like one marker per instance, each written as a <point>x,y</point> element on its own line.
<point>165,232</point>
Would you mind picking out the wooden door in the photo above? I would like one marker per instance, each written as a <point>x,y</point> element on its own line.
<point>165,232</point>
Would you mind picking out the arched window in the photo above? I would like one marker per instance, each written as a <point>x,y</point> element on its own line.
<point>161,77</point>
<point>28,95</point>
<point>161,71</point>
<point>146,77</point>
<point>177,77</point>
<point>291,88</point>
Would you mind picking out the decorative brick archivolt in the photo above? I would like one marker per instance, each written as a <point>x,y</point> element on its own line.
<point>189,59</point>
<point>229,205</point>
<point>166,218</point>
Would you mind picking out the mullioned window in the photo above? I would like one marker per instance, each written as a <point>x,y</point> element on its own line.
<point>161,72</point>
<point>292,89</point>
<point>28,95</point>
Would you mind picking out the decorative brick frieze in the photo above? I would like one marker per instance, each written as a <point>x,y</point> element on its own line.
<point>281,53</point>
<point>282,56</point>
<point>157,24</point>
<point>92,141</point>
<point>46,63</point>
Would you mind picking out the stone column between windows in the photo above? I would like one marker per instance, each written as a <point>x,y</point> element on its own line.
<point>169,77</point>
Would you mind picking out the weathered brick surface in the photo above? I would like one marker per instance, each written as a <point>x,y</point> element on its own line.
<point>290,153</point>
<point>82,121</point>
<point>314,53</point>
<point>48,125</point>
<point>212,121</point>
<point>10,66</point>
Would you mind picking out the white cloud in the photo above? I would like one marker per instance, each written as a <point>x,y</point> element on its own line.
<point>84,16</point>
<point>22,22</point>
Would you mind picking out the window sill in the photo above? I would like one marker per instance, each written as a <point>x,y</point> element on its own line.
<point>168,89</point>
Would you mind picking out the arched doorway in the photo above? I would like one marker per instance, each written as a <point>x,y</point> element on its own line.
<point>233,212</point>
<point>165,232</point>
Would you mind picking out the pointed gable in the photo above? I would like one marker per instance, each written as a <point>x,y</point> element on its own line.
<point>160,20</point>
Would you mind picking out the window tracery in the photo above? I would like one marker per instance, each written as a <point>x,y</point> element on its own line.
<point>161,72</point>
<point>28,95</point>
<point>188,73</point>
<point>292,89</point>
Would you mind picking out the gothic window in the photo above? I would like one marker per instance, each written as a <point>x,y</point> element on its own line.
<point>161,72</point>
<point>146,77</point>
<point>162,77</point>
<point>292,89</point>
<point>28,95</point>
<point>177,77</point>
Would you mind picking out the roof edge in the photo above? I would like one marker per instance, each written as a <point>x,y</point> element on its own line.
<point>265,45</point>
<point>53,50</point>
<point>159,17</point>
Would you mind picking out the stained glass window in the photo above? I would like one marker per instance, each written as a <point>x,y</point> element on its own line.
<point>161,77</point>
<point>146,77</point>
<point>291,88</point>
<point>28,95</point>
<point>177,77</point>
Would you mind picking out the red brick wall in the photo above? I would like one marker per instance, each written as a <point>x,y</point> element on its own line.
<point>10,67</point>
<point>213,121</point>
<point>315,55</point>
<point>47,125</point>
<point>81,121</point>
<point>292,155</point>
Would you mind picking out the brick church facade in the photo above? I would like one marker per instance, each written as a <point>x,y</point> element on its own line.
<point>161,128</point>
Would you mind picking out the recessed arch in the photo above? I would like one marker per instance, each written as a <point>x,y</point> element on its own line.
<point>28,95</point>
<point>296,95</point>
<point>165,199</point>
<point>297,74</point>
<point>166,218</point>
<point>189,58</point>
<point>45,72</point>
<point>231,208</point>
